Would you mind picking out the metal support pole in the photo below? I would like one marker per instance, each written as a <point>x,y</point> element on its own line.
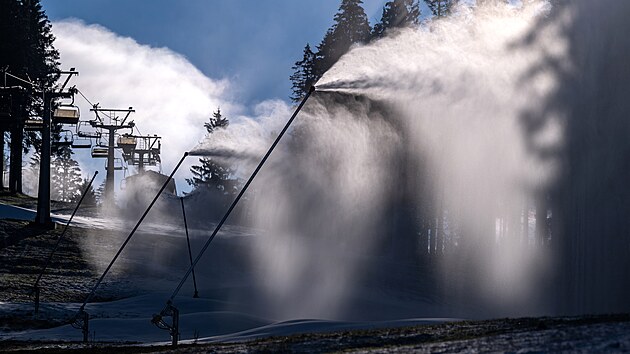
<point>141,162</point>
<point>109,177</point>
<point>63,233</point>
<point>86,326</point>
<point>240,194</point>
<point>196,295</point>
<point>36,290</point>
<point>133,231</point>
<point>82,321</point>
<point>43,194</point>
<point>175,328</point>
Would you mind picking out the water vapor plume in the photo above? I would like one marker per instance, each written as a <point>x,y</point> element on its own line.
<point>476,166</point>
<point>441,162</point>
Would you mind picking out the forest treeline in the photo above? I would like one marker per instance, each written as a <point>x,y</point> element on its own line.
<point>351,27</point>
<point>27,52</point>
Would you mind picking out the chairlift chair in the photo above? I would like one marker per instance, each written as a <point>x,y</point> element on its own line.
<point>84,129</point>
<point>118,164</point>
<point>127,143</point>
<point>90,135</point>
<point>79,142</point>
<point>66,114</point>
<point>100,151</point>
<point>33,125</point>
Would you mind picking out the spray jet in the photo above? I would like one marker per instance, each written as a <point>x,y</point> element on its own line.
<point>81,319</point>
<point>170,310</point>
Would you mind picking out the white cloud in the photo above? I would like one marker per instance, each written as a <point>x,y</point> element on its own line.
<point>172,98</point>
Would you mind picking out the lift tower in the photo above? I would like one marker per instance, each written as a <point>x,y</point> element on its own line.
<point>43,195</point>
<point>140,150</point>
<point>107,119</point>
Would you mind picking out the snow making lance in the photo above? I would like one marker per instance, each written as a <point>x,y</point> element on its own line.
<point>196,294</point>
<point>52,253</point>
<point>81,319</point>
<point>170,310</point>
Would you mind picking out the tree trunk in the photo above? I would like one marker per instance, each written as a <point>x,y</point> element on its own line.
<point>15,168</point>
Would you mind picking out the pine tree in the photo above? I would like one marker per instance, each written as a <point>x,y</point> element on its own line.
<point>304,75</point>
<point>211,174</point>
<point>65,177</point>
<point>440,8</point>
<point>397,14</point>
<point>90,195</point>
<point>216,121</point>
<point>351,27</point>
<point>26,48</point>
<point>99,193</point>
<point>31,180</point>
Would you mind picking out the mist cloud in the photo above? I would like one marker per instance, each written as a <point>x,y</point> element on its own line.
<point>172,98</point>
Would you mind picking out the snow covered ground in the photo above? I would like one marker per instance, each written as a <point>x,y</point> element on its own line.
<point>149,269</point>
<point>129,320</point>
<point>230,309</point>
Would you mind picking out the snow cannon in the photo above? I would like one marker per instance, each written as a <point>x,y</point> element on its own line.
<point>81,320</point>
<point>170,310</point>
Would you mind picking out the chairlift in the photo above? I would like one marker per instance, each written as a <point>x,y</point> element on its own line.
<point>89,133</point>
<point>156,150</point>
<point>33,125</point>
<point>118,164</point>
<point>66,114</point>
<point>81,143</point>
<point>127,143</point>
<point>100,151</point>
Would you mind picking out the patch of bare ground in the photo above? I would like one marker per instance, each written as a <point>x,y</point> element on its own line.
<point>605,333</point>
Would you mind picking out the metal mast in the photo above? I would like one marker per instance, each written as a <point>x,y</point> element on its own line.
<point>111,124</point>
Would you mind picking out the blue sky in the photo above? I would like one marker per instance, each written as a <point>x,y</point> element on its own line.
<point>251,43</point>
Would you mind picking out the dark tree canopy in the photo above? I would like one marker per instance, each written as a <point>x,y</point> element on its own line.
<point>397,14</point>
<point>27,51</point>
<point>210,173</point>
<point>440,8</point>
<point>304,74</point>
<point>90,195</point>
<point>66,176</point>
<point>216,121</point>
<point>351,26</point>
<point>26,45</point>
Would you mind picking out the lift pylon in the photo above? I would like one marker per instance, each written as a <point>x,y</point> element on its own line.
<point>141,150</point>
<point>108,120</point>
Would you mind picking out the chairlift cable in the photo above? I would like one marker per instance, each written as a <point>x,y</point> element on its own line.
<point>85,98</point>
